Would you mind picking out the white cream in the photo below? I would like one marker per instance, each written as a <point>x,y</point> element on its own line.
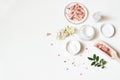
<point>86,32</point>
<point>73,47</point>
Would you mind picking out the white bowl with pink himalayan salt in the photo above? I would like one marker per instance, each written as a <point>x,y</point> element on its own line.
<point>75,12</point>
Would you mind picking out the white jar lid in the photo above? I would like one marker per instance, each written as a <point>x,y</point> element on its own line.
<point>87,32</point>
<point>107,30</point>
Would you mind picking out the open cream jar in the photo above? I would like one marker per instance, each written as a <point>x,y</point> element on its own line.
<point>73,47</point>
<point>86,32</point>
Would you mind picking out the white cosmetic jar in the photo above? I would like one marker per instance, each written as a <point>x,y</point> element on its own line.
<point>86,32</point>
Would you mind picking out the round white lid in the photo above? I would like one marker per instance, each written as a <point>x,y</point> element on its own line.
<point>107,30</point>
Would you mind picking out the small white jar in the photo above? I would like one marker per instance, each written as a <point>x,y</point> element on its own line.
<point>73,47</point>
<point>86,32</point>
<point>97,16</point>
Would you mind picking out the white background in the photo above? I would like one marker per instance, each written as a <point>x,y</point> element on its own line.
<point>26,52</point>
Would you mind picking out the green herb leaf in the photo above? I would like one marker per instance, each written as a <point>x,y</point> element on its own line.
<point>104,62</point>
<point>97,62</point>
<point>94,56</point>
<point>97,58</point>
<point>103,67</point>
<point>101,60</point>
<point>90,58</point>
<point>93,63</point>
<point>99,65</point>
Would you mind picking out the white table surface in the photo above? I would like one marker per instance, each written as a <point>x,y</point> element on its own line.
<point>26,52</point>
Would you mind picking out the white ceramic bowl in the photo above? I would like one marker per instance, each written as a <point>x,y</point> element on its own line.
<point>67,12</point>
<point>86,32</point>
<point>107,30</point>
<point>73,47</point>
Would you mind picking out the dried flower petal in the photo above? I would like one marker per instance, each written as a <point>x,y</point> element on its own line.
<point>48,34</point>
